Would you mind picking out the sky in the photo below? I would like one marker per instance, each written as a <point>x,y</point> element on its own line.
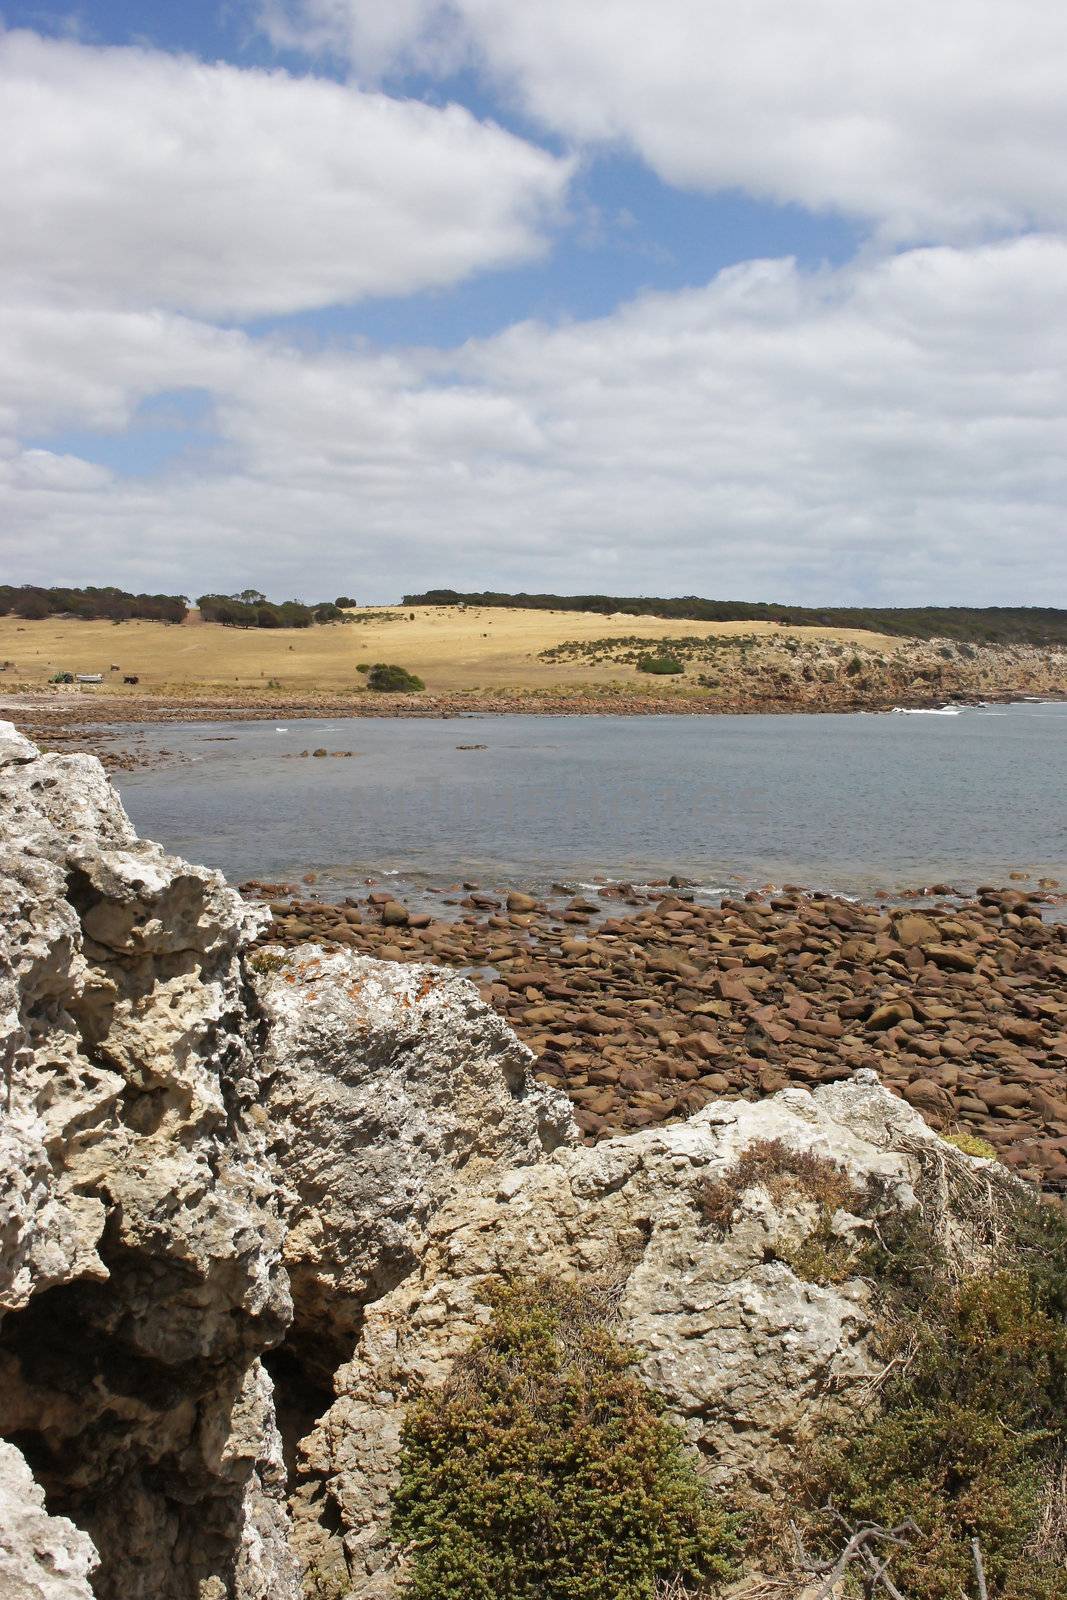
<point>762,301</point>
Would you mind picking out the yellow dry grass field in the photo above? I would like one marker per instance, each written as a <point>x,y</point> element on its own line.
<point>452,650</point>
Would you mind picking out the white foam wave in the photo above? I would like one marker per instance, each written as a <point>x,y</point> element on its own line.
<point>927,711</point>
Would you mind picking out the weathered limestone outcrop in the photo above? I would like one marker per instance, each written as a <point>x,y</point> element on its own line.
<point>141,1272</point>
<point>175,1145</point>
<point>251,1200</point>
<point>746,1352</point>
<point>391,1090</point>
<point>41,1557</point>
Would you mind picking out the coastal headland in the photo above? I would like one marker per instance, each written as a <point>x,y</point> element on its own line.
<point>486,660</point>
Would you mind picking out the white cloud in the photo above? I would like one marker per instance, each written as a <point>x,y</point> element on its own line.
<point>134,179</point>
<point>31,470</point>
<point>426,34</point>
<point>928,120</point>
<point>894,430</point>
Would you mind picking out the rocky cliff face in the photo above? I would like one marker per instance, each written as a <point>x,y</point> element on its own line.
<point>252,1200</point>
<point>390,1089</point>
<point>141,1262</point>
<point>174,1149</point>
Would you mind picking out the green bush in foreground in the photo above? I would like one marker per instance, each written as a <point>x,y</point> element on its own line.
<point>544,1470</point>
<point>660,665</point>
<point>969,1439</point>
<point>393,679</point>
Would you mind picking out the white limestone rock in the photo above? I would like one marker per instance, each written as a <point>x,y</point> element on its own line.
<point>391,1091</point>
<point>746,1353</point>
<point>41,1557</point>
<point>140,1236</point>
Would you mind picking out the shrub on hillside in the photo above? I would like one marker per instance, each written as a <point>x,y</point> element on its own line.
<point>393,679</point>
<point>543,1469</point>
<point>661,665</point>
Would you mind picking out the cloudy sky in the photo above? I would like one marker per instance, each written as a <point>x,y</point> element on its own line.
<point>761,301</point>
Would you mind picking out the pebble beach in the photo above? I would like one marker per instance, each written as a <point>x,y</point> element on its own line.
<point>643,1005</point>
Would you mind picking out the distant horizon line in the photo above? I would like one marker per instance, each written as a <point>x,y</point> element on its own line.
<point>541,598</point>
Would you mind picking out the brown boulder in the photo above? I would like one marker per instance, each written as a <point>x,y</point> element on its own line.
<point>1052,1107</point>
<point>951,957</point>
<point>929,1098</point>
<point>1002,1096</point>
<point>704,1045</point>
<point>761,955</point>
<point>1020,1028</point>
<point>912,928</point>
<point>544,1016</point>
<point>731,988</point>
<point>888,1015</point>
<point>589,1022</point>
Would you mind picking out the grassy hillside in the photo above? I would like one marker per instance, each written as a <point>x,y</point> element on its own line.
<point>989,624</point>
<point>452,650</point>
<point>479,651</point>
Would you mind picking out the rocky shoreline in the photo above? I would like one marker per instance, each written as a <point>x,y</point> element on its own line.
<point>93,723</point>
<point>644,1005</point>
<point>258,1193</point>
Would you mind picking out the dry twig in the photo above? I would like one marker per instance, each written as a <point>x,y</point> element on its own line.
<point>860,1551</point>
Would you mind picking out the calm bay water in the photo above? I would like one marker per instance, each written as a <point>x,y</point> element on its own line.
<point>853,803</point>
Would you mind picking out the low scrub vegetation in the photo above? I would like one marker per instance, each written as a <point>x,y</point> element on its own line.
<point>960,1457</point>
<point>783,1172</point>
<point>544,1469</point>
<point>966,1437</point>
<point>822,1256</point>
<point>661,666</point>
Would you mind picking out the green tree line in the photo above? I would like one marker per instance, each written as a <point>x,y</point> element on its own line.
<point>1038,625</point>
<point>247,609</point>
<point>115,605</point>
